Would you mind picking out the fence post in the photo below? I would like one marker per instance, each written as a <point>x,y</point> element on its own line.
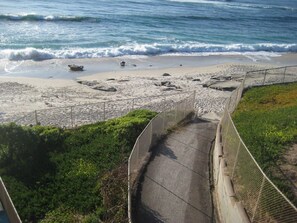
<point>236,159</point>
<point>151,134</point>
<point>163,118</point>
<point>36,120</point>
<point>103,111</point>
<point>132,104</point>
<point>284,74</point>
<point>71,116</point>
<point>264,77</point>
<point>176,111</point>
<point>227,130</point>
<point>243,81</point>
<point>194,99</point>
<point>137,154</point>
<point>258,199</point>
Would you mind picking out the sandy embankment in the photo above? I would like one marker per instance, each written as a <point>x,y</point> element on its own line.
<point>19,95</point>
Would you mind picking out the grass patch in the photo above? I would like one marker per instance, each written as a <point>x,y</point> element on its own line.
<point>78,175</point>
<point>266,119</point>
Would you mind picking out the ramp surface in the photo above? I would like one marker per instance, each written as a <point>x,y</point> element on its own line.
<point>175,186</point>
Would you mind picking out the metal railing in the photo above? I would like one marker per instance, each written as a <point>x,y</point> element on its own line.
<point>72,116</point>
<point>263,201</point>
<point>156,128</point>
<point>8,205</point>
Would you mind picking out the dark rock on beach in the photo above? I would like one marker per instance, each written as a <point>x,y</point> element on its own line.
<point>123,80</point>
<point>87,83</point>
<point>168,86</point>
<point>104,88</point>
<point>74,67</point>
<point>122,63</point>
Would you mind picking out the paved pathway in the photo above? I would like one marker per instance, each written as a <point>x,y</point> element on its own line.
<point>175,186</point>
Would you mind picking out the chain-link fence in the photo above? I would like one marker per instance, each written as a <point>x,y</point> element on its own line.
<point>149,137</point>
<point>263,201</point>
<point>271,76</point>
<point>77,115</point>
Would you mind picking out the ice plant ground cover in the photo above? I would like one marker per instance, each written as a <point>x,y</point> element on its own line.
<point>266,119</point>
<point>76,175</point>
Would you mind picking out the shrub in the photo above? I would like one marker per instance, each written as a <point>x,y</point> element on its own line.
<point>70,175</point>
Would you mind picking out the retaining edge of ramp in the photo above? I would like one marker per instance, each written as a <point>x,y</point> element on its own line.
<point>228,208</point>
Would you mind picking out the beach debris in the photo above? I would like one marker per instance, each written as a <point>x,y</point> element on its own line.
<point>105,88</point>
<point>110,79</point>
<point>166,75</point>
<point>122,63</point>
<point>196,79</point>
<point>74,67</point>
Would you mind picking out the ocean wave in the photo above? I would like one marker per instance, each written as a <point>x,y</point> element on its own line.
<point>146,50</point>
<point>228,3</point>
<point>48,18</point>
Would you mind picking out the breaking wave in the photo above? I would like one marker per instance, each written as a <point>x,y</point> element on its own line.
<point>146,50</point>
<point>48,18</point>
<point>231,4</point>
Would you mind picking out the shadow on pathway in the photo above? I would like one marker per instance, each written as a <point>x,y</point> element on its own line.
<point>176,184</point>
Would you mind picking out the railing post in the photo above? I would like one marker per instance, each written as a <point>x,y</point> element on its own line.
<point>151,134</point>
<point>103,111</point>
<point>36,120</point>
<point>176,111</point>
<point>258,199</point>
<point>264,77</point>
<point>132,104</point>
<point>227,130</point>
<point>244,79</point>
<point>71,116</point>
<point>284,74</point>
<point>236,159</point>
<point>194,99</point>
<point>163,118</point>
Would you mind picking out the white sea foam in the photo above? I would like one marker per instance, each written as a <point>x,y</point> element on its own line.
<point>54,18</point>
<point>226,3</point>
<point>268,49</point>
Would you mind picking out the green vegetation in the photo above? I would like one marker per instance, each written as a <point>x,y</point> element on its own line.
<point>78,175</point>
<point>266,119</point>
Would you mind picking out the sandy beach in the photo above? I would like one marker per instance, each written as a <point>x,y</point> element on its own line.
<point>21,93</point>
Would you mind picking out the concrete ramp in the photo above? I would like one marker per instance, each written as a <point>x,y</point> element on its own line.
<point>176,184</point>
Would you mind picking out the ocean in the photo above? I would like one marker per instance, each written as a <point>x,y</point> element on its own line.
<point>51,29</point>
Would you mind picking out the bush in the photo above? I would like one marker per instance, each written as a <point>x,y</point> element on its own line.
<point>70,175</point>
